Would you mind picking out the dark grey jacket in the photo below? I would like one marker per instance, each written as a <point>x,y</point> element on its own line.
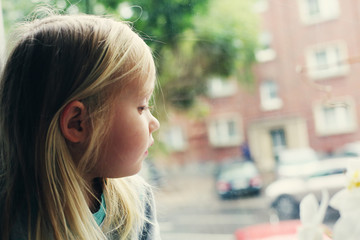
<point>149,232</point>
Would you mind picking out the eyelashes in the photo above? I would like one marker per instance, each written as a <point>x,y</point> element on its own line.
<point>144,108</point>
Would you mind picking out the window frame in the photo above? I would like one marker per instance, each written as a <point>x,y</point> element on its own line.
<point>328,10</point>
<point>266,51</point>
<point>261,6</point>
<point>268,103</point>
<point>221,124</point>
<point>336,55</point>
<point>219,88</point>
<point>174,138</point>
<point>324,129</point>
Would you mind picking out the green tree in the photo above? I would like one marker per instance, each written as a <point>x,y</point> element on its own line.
<point>228,36</point>
<point>191,39</point>
<point>163,21</point>
<point>221,41</point>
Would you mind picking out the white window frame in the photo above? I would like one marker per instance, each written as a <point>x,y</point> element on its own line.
<point>328,10</point>
<point>174,138</point>
<point>261,6</point>
<point>218,131</point>
<point>335,64</point>
<point>269,103</point>
<point>265,53</point>
<point>344,122</point>
<point>219,88</point>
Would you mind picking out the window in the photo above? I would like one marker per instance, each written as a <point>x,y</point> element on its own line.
<point>313,7</point>
<point>225,132</point>
<point>266,52</point>
<point>174,138</point>
<point>261,6</point>
<point>335,117</point>
<point>218,87</point>
<point>269,96</point>
<point>315,11</point>
<point>327,60</point>
<point>278,140</point>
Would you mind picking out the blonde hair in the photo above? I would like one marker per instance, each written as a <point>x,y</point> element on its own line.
<point>59,59</point>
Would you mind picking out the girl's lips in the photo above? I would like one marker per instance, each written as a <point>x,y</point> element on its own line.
<point>147,151</point>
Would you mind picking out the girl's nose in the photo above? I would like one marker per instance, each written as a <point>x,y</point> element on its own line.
<point>154,124</point>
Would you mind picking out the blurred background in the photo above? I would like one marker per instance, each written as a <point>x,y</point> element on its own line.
<point>258,102</point>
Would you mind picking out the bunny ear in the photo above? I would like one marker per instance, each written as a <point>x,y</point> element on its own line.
<point>337,200</point>
<point>323,207</point>
<point>311,216</point>
<point>308,209</point>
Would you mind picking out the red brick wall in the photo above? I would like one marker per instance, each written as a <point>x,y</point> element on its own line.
<point>290,39</point>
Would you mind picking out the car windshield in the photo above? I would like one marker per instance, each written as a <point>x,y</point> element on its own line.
<point>328,172</point>
<point>294,157</point>
<point>239,170</point>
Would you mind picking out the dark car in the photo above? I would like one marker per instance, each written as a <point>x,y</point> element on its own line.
<point>237,179</point>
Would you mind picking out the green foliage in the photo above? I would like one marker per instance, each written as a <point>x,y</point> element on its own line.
<point>228,38</point>
<point>14,11</point>
<point>164,21</point>
<point>221,43</point>
<point>192,40</point>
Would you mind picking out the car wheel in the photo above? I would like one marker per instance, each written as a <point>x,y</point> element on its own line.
<point>286,207</point>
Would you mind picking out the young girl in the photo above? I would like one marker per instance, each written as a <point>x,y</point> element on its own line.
<point>75,127</point>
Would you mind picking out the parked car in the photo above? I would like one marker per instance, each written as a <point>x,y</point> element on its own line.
<point>351,149</point>
<point>285,194</point>
<point>283,230</point>
<point>296,162</point>
<point>237,179</point>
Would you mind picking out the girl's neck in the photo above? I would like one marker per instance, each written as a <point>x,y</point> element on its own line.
<point>94,199</point>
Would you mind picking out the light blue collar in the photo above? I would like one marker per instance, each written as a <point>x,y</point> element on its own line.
<point>99,216</point>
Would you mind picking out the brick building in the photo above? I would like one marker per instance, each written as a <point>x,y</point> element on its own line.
<point>306,91</point>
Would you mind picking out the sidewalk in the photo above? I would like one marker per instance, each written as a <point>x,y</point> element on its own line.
<point>184,189</point>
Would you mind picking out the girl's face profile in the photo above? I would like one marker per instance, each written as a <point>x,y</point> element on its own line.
<point>129,138</point>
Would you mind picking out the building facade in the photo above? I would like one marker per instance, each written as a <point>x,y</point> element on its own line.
<point>306,91</point>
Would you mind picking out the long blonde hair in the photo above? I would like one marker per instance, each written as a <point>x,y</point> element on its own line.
<point>56,60</point>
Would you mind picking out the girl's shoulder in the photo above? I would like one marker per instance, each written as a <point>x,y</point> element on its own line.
<point>151,229</point>
<point>145,193</point>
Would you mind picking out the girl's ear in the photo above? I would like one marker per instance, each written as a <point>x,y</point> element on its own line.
<point>73,122</point>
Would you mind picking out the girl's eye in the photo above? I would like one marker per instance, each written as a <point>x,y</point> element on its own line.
<point>144,108</point>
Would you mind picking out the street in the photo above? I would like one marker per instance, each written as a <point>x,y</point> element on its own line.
<point>188,208</point>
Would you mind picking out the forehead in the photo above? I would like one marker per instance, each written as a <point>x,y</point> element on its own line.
<point>138,89</point>
<point>141,79</point>
<point>145,93</point>
<point>148,87</point>
<point>146,82</point>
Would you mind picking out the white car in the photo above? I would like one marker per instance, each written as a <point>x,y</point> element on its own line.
<point>285,194</point>
<point>297,162</point>
<point>351,149</point>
